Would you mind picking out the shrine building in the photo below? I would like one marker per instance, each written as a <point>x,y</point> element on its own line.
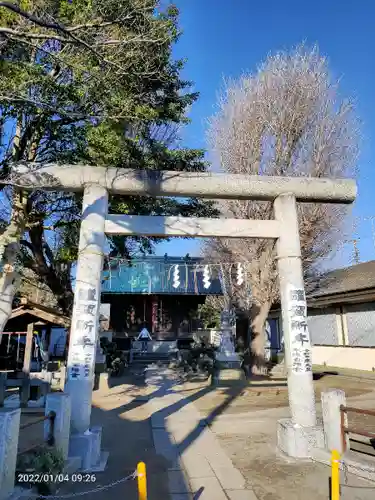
<point>161,292</point>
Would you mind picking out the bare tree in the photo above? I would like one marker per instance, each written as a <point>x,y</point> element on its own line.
<point>287,119</point>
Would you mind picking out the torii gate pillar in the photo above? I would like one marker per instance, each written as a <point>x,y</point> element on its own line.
<point>299,435</point>
<point>85,442</point>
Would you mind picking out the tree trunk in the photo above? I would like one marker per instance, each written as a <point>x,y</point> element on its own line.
<point>258,318</point>
<point>49,272</point>
<point>65,302</point>
<point>10,248</point>
<point>9,282</point>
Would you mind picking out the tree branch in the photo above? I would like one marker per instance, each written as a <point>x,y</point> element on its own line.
<point>48,36</point>
<point>27,244</point>
<point>60,28</point>
<point>35,36</point>
<point>66,114</point>
<point>30,17</point>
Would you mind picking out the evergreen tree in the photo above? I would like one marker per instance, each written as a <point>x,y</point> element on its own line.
<point>94,82</point>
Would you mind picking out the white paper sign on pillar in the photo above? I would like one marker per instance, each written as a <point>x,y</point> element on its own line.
<point>83,335</point>
<point>299,333</point>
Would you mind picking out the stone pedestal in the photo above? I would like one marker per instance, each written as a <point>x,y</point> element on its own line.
<point>228,377</point>
<point>227,361</point>
<point>87,446</point>
<point>297,441</point>
<point>9,431</point>
<point>59,403</point>
<point>331,402</point>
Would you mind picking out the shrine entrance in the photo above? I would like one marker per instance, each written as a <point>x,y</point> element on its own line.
<point>144,291</point>
<point>283,192</point>
<point>167,317</point>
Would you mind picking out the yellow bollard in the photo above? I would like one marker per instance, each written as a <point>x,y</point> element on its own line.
<point>142,481</point>
<point>335,475</point>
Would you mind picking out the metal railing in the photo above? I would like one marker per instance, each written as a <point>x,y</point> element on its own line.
<point>51,432</point>
<point>353,430</point>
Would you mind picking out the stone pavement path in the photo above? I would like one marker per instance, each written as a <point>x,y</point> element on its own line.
<point>199,467</point>
<point>156,423</point>
<point>124,414</point>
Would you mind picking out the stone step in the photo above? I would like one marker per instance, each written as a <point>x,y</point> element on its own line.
<point>153,355</point>
<point>156,346</point>
<point>150,358</point>
<point>144,362</point>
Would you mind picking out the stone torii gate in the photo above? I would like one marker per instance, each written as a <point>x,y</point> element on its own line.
<point>296,435</point>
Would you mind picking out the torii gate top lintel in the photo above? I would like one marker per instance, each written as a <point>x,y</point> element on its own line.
<point>174,183</point>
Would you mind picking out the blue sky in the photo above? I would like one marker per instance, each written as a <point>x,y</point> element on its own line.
<point>226,38</point>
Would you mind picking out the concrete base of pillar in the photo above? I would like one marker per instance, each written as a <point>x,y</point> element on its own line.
<point>298,442</point>
<point>87,447</point>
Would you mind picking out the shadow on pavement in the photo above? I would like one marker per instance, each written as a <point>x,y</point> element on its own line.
<point>127,435</point>
<point>319,375</point>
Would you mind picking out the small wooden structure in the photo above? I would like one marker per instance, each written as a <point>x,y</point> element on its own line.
<point>33,312</point>
<point>28,317</point>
